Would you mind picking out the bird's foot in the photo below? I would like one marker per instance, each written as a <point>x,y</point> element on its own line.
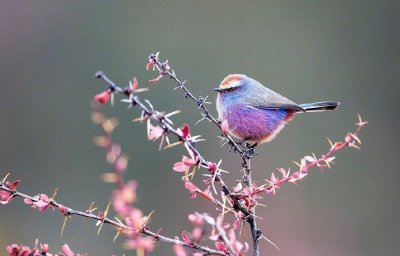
<point>249,150</point>
<point>242,142</point>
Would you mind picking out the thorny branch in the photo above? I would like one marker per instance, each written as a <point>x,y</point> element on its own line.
<point>39,201</point>
<point>351,140</point>
<point>245,150</point>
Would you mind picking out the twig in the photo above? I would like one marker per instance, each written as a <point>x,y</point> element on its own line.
<point>308,162</point>
<point>67,211</point>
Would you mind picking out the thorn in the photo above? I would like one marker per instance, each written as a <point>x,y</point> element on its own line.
<point>269,241</point>
<point>64,224</point>
<point>54,193</point>
<point>172,145</point>
<point>353,145</point>
<point>330,142</point>
<point>117,234</point>
<point>90,210</point>
<point>173,113</point>
<point>150,105</point>
<point>5,177</point>
<point>361,123</point>
<point>204,117</point>
<point>355,137</point>
<point>147,218</point>
<point>296,163</point>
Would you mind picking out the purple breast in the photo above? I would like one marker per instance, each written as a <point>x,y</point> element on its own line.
<point>256,124</point>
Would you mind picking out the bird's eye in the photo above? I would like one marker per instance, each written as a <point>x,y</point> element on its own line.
<point>229,89</point>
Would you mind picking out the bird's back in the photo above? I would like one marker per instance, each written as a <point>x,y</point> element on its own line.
<point>261,97</point>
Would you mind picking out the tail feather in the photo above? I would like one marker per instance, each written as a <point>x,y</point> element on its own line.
<point>320,106</point>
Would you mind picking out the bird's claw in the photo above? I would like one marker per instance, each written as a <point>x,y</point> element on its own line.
<point>249,150</point>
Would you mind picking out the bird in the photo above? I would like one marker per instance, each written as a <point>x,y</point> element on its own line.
<point>255,113</point>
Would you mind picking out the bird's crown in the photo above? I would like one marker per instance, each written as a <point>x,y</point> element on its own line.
<point>231,81</point>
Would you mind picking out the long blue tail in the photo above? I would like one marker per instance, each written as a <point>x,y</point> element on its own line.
<point>320,106</point>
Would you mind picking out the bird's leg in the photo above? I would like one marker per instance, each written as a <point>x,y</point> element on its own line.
<point>249,150</point>
<point>254,145</point>
<point>242,142</point>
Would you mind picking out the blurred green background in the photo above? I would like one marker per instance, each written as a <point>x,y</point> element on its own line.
<point>347,51</point>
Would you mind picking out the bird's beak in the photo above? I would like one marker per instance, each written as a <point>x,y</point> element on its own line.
<point>218,90</point>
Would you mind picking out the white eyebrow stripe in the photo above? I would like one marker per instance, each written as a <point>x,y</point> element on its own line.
<point>231,83</point>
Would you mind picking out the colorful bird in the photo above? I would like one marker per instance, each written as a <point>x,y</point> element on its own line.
<point>255,113</point>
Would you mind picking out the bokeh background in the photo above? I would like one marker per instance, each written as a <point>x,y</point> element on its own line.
<point>306,50</point>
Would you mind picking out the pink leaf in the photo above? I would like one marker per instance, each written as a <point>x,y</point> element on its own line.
<point>66,250</point>
<point>103,97</point>
<point>154,132</point>
<point>221,247</point>
<point>179,250</point>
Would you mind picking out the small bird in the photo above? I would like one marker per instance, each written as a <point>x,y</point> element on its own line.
<point>255,113</point>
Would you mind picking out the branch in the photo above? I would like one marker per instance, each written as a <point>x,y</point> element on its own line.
<point>351,140</point>
<point>246,151</point>
<point>43,202</point>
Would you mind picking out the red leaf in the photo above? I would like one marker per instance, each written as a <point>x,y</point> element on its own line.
<point>185,131</point>
<point>185,238</point>
<point>103,97</point>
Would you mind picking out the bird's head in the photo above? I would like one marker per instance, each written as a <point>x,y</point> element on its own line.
<point>231,83</point>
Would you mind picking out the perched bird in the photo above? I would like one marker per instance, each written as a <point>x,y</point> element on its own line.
<point>255,113</point>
